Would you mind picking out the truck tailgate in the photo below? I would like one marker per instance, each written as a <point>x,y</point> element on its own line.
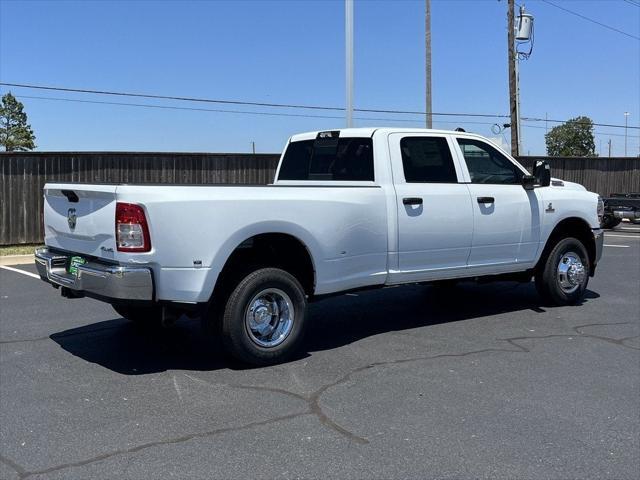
<point>81,218</point>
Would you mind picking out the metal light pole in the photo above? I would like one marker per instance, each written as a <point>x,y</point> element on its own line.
<point>427,41</point>
<point>626,118</point>
<point>348,33</point>
<point>513,82</point>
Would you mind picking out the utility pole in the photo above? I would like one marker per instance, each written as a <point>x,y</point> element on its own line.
<point>609,148</point>
<point>253,147</point>
<point>517,60</point>
<point>348,30</point>
<point>427,41</point>
<point>513,89</point>
<point>626,118</point>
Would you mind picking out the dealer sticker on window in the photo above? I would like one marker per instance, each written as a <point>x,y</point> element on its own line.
<point>73,264</point>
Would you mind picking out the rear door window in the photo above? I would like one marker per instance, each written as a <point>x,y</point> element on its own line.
<point>427,160</point>
<point>348,159</point>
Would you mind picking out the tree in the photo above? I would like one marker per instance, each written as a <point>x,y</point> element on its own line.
<point>15,132</point>
<point>572,139</point>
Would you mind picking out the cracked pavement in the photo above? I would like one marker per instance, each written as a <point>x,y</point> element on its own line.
<point>402,382</point>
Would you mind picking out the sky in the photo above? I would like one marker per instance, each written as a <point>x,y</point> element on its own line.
<point>293,52</point>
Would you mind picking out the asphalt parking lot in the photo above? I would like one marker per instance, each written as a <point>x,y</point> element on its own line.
<point>401,382</point>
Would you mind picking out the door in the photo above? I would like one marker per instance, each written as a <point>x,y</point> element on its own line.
<point>506,217</point>
<point>435,217</point>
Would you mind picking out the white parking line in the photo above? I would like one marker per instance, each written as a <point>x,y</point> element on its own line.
<point>17,270</point>
<point>617,246</point>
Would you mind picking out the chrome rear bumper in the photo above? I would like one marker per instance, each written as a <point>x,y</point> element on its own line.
<point>110,281</point>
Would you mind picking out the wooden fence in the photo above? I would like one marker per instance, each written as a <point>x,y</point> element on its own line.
<point>602,175</point>
<point>23,174</point>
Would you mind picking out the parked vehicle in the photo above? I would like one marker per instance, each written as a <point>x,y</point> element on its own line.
<point>349,209</point>
<point>620,206</point>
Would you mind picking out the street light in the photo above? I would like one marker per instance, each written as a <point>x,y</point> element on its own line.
<point>348,27</point>
<point>626,118</point>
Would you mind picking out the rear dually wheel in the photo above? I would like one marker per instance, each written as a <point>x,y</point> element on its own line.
<point>264,317</point>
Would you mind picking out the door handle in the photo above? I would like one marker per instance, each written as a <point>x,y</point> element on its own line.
<point>486,200</point>
<point>412,201</point>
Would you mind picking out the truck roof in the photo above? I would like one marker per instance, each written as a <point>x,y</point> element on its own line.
<point>369,131</point>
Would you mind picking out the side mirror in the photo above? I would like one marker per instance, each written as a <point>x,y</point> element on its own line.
<point>542,173</point>
<point>529,182</point>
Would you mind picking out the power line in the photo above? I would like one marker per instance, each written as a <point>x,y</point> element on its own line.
<point>278,114</point>
<point>591,20</point>
<point>172,107</point>
<point>167,97</point>
<point>277,105</point>
<point>243,112</point>
<point>595,132</point>
<point>536,119</point>
<point>631,2</point>
<point>238,102</point>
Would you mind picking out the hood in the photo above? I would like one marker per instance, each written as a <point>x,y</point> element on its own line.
<point>558,183</point>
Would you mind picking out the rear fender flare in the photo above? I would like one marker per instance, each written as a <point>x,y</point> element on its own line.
<point>229,246</point>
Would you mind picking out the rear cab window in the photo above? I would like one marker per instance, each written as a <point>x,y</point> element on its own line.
<point>348,159</point>
<point>427,160</point>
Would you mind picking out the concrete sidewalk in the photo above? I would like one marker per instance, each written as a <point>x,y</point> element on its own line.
<point>16,259</point>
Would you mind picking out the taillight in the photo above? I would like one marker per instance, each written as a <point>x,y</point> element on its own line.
<point>132,231</point>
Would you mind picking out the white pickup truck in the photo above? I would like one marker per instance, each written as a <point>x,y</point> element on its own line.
<point>349,209</point>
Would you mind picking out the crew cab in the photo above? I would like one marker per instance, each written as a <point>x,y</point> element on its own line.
<point>349,209</point>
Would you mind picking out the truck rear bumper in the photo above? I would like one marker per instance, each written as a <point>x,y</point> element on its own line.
<point>106,281</point>
<point>627,214</point>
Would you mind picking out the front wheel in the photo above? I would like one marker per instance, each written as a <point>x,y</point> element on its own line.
<point>563,278</point>
<point>264,318</point>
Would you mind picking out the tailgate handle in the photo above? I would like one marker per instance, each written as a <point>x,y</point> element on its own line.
<point>71,196</point>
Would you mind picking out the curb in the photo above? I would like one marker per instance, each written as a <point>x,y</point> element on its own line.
<point>17,259</point>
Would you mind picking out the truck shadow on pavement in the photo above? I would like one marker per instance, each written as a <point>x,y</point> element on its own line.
<point>335,322</point>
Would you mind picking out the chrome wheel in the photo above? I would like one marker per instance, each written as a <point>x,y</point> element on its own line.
<point>571,272</point>
<point>269,317</point>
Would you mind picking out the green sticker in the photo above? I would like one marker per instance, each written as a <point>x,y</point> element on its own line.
<point>73,265</point>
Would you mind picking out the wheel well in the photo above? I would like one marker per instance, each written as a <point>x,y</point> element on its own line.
<point>571,227</point>
<point>267,250</point>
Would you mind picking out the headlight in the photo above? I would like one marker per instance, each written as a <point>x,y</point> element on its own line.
<point>600,209</point>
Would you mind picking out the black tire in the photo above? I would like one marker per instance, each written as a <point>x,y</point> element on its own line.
<point>547,279</point>
<point>142,316</point>
<point>260,288</point>
<point>610,222</point>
